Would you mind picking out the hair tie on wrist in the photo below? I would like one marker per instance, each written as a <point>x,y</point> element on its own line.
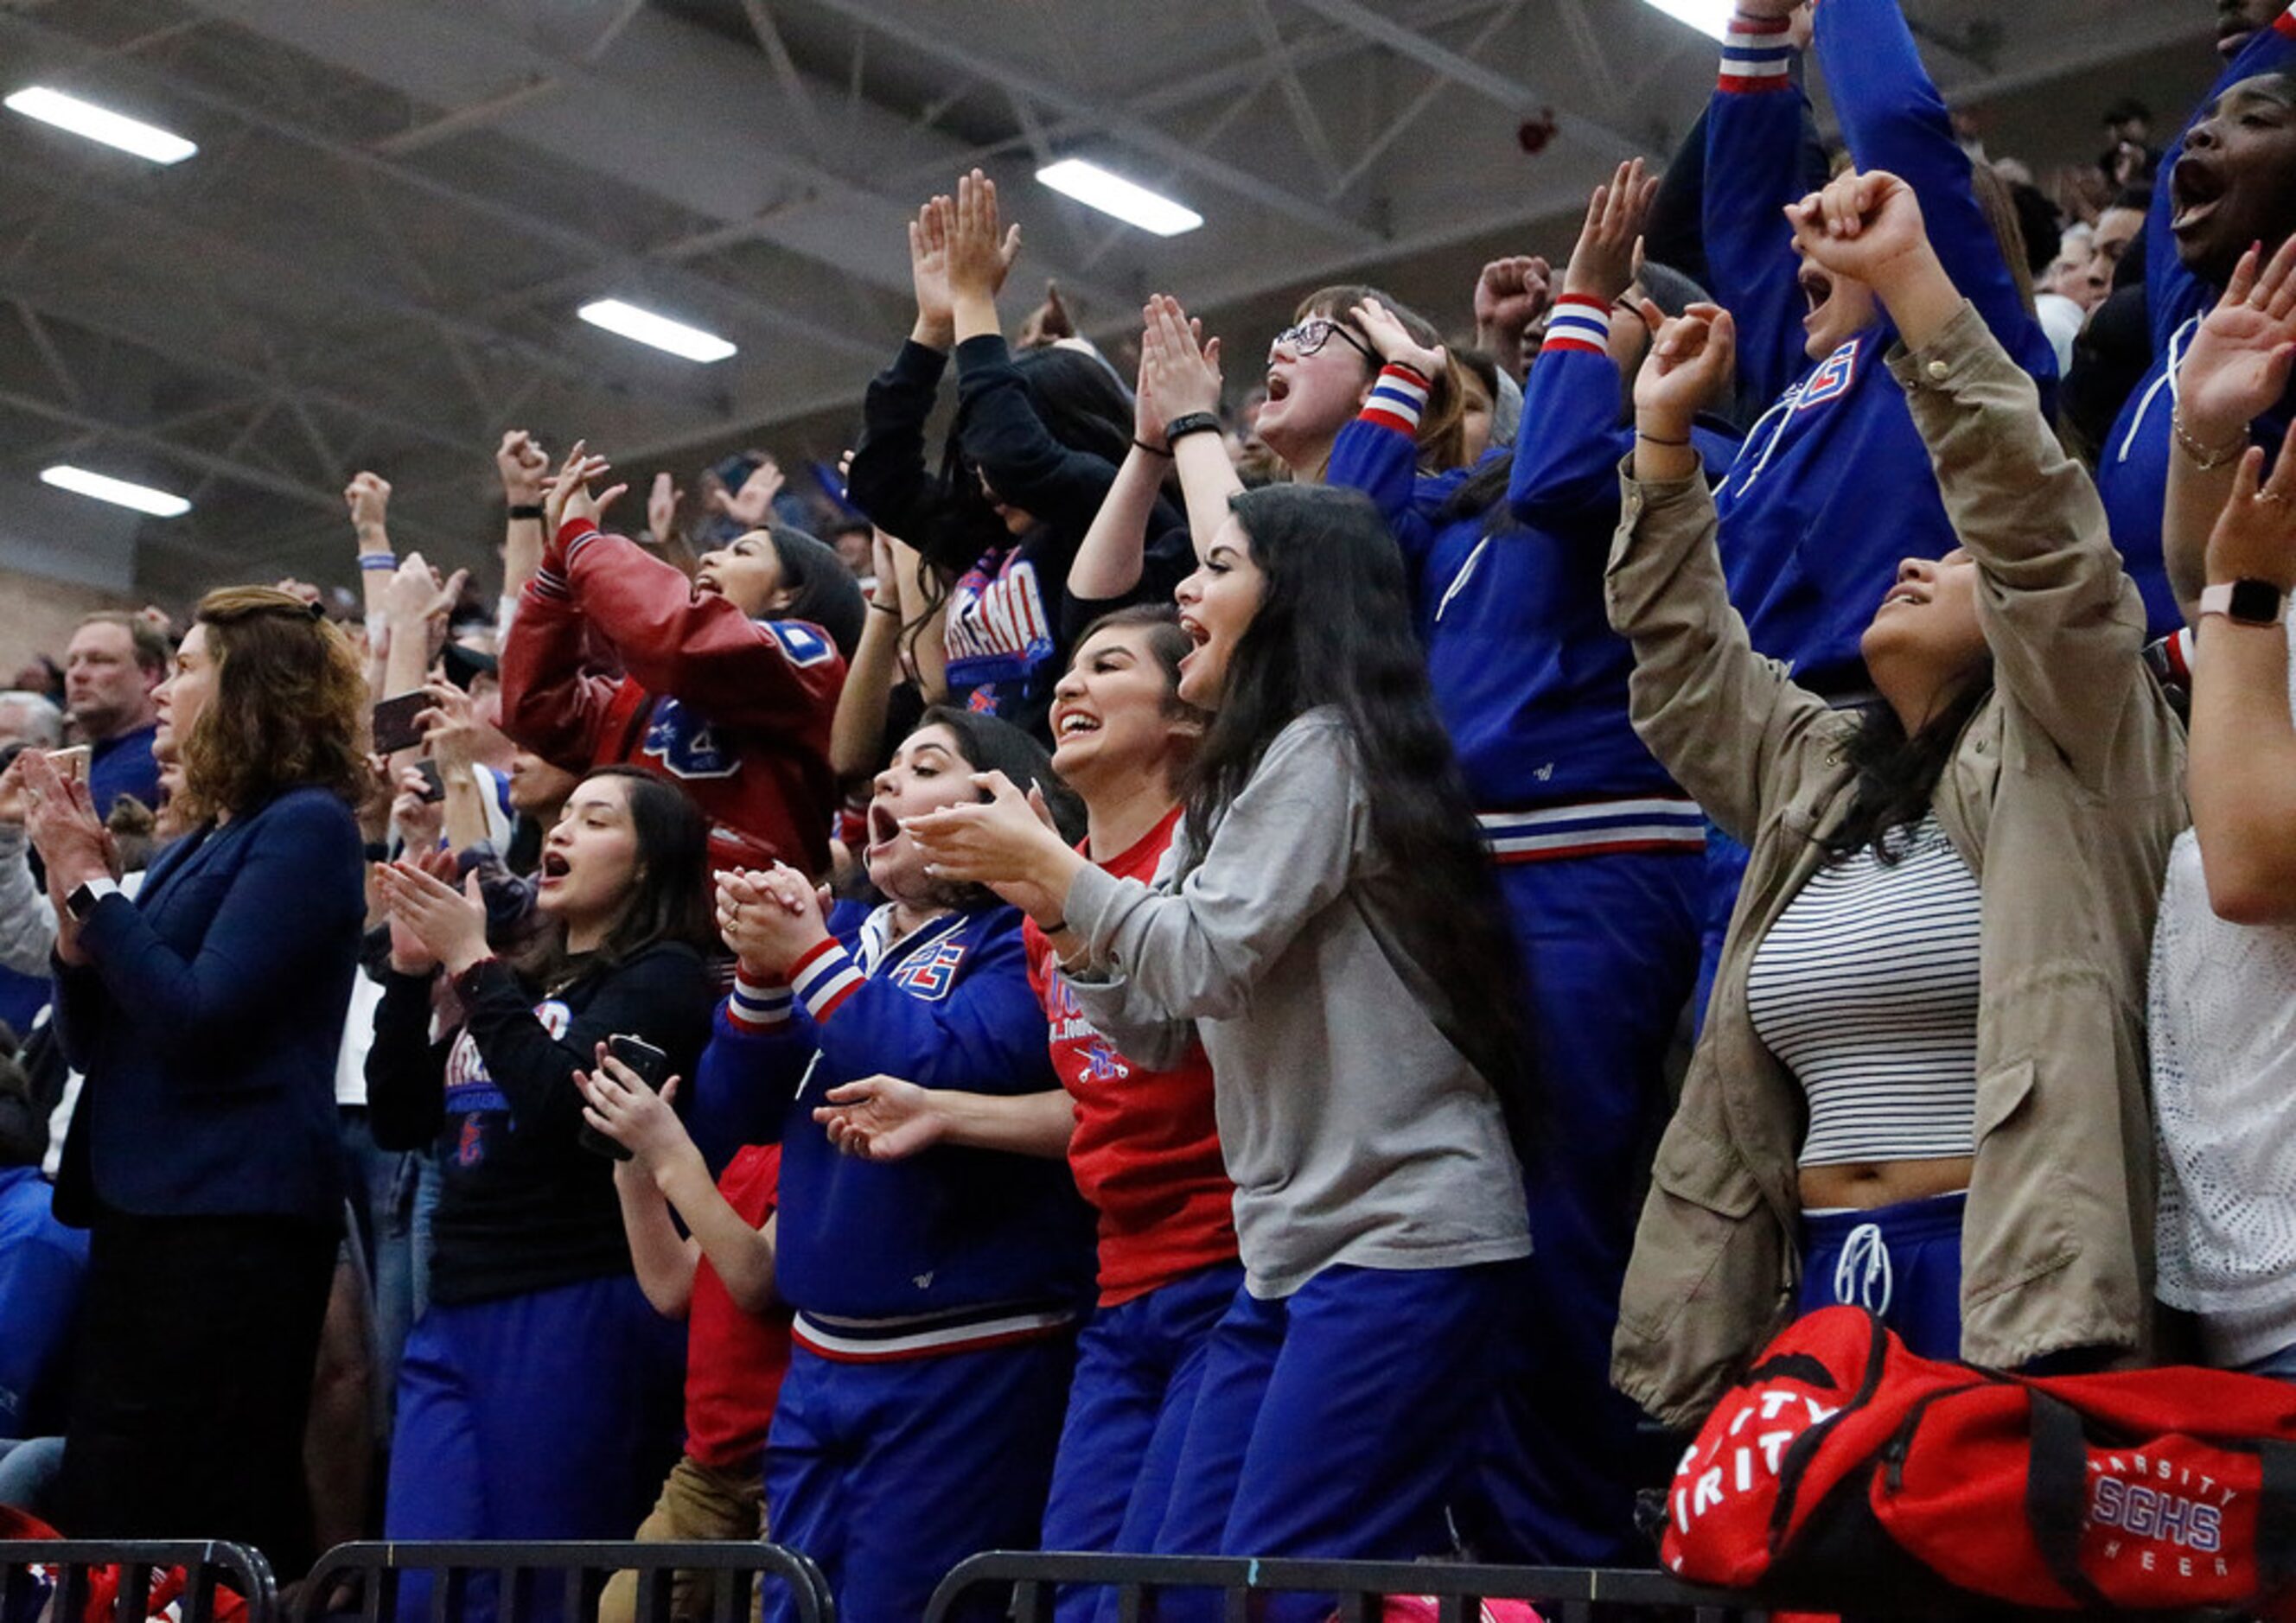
<point>1163,451</point>
<point>1679,445</point>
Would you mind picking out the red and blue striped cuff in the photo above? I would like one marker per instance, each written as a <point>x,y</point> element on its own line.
<point>825,978</point>
<point>759,1005</point>
<point>1398,397</point>
<point>1757,54</point>
<point>1578,321</point>
<point>2284,24</point>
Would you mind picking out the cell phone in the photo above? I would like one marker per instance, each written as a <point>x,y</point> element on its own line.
<point>395,727</point>
<point>434,787</point>
<point>651,1065</point>
<point>71,765</point>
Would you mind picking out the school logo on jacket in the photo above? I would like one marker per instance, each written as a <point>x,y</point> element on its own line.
<point>470,1090</point>
<point>1833,380</point>
<point>685,745</point>
<point>930,975</point>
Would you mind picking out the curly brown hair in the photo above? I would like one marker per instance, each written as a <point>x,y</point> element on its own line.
<point>288,710</point>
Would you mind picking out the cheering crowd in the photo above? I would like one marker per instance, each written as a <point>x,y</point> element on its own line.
<point>1132,998</point>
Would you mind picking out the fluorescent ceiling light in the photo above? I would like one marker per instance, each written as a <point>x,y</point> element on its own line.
<point>1134,205</point>
<point>101,124</point>
<point>118,491</point>
<point>1707,16</point>
<point>648,328</point>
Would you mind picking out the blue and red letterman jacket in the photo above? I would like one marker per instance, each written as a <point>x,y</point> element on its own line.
<point>1529,677</point>
<point>1833,487</point>
<point>2132,468</point>
<point>953,1249</point>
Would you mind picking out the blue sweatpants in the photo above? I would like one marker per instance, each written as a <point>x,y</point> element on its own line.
<point>1139,1364</point>
<point>1901,1261</point>
<point>552,1414</point>
<point>1610,944</point>
<point>1341,1421</point>
<point>888,1474</point>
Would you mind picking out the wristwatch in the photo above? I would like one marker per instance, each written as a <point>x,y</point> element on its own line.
<point>85,895</point>
<point>2244,602</point>
<point>1190,422</point>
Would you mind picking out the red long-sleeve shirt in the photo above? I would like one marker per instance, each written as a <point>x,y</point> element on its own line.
<point>734,710</point>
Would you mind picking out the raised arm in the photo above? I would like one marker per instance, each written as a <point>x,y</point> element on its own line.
<point>2235,368</point>
<point>523,467</point>
<point>1722,719</point>
<point>2063,621</point>
<point>1753,170</point>
<point>1571,465</point>
<point>1186,370</point>
<point>1894,120</point>
<point>2242,776</point>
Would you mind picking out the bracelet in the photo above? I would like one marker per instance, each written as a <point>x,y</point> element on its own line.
<point>892,609</point>
<point>526,510</point>
<point>1192,422</point>
<point>378,850</point>
<point>1679,445</point>
<point>377,560</point>
<point>1163,451</point>
<point>1056,927</point>
<point>466,983</point>
<point>2203,458</point>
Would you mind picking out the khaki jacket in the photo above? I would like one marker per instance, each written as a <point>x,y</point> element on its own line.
<point>2063,794</point>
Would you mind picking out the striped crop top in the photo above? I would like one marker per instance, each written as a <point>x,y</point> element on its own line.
<point>1866,988</point>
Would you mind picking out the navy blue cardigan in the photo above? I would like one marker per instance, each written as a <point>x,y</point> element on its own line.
<point>208,1021</point>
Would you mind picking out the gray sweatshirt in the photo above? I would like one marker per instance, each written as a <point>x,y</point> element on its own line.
<point>1354,1131</point>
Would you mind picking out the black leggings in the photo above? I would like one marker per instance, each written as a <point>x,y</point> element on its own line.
<point>192,1378</point>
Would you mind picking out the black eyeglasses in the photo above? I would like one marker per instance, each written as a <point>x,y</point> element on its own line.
<point>1312,334</point>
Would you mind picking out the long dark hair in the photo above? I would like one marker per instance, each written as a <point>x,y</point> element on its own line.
<point>669,900</point>
<point>1082,404</point>
<point>1897,775</point>
<point>1333,630</point>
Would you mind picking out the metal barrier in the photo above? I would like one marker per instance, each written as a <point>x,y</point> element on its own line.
<point>1355,1588</point>
<point>207,1567</point>
<point>519,1582</point>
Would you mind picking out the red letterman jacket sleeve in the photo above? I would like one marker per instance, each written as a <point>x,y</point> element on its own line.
<point>550,702</point>
<point>699,648</point>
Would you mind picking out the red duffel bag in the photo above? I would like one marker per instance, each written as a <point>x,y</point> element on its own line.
<point>1843,1468</point>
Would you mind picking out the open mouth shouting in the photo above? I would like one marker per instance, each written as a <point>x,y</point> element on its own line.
<point>2196,191</point>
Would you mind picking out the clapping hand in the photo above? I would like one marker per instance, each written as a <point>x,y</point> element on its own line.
<point>1603,265</point>
<point>449,926</point>
<point>2255,536</point>
<point>979,258</point>
<point>2239,361</point>
<point>1179,368</point>
<point>1006,842</point>
<point>769,919</point>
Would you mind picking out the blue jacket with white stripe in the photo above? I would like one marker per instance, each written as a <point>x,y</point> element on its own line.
<point>953,1246</point>
<point>1529,677</point>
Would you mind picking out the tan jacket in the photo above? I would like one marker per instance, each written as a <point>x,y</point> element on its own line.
<point>2065,793</point>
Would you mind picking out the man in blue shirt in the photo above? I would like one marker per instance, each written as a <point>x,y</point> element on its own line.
<point>111,666</point>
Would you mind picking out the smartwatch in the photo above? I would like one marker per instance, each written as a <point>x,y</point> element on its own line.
<point>84,898</point>
<point>1190,422</point>
<point>2244,602</point>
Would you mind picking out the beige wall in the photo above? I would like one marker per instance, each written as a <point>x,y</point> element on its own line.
<point>37,616</point>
